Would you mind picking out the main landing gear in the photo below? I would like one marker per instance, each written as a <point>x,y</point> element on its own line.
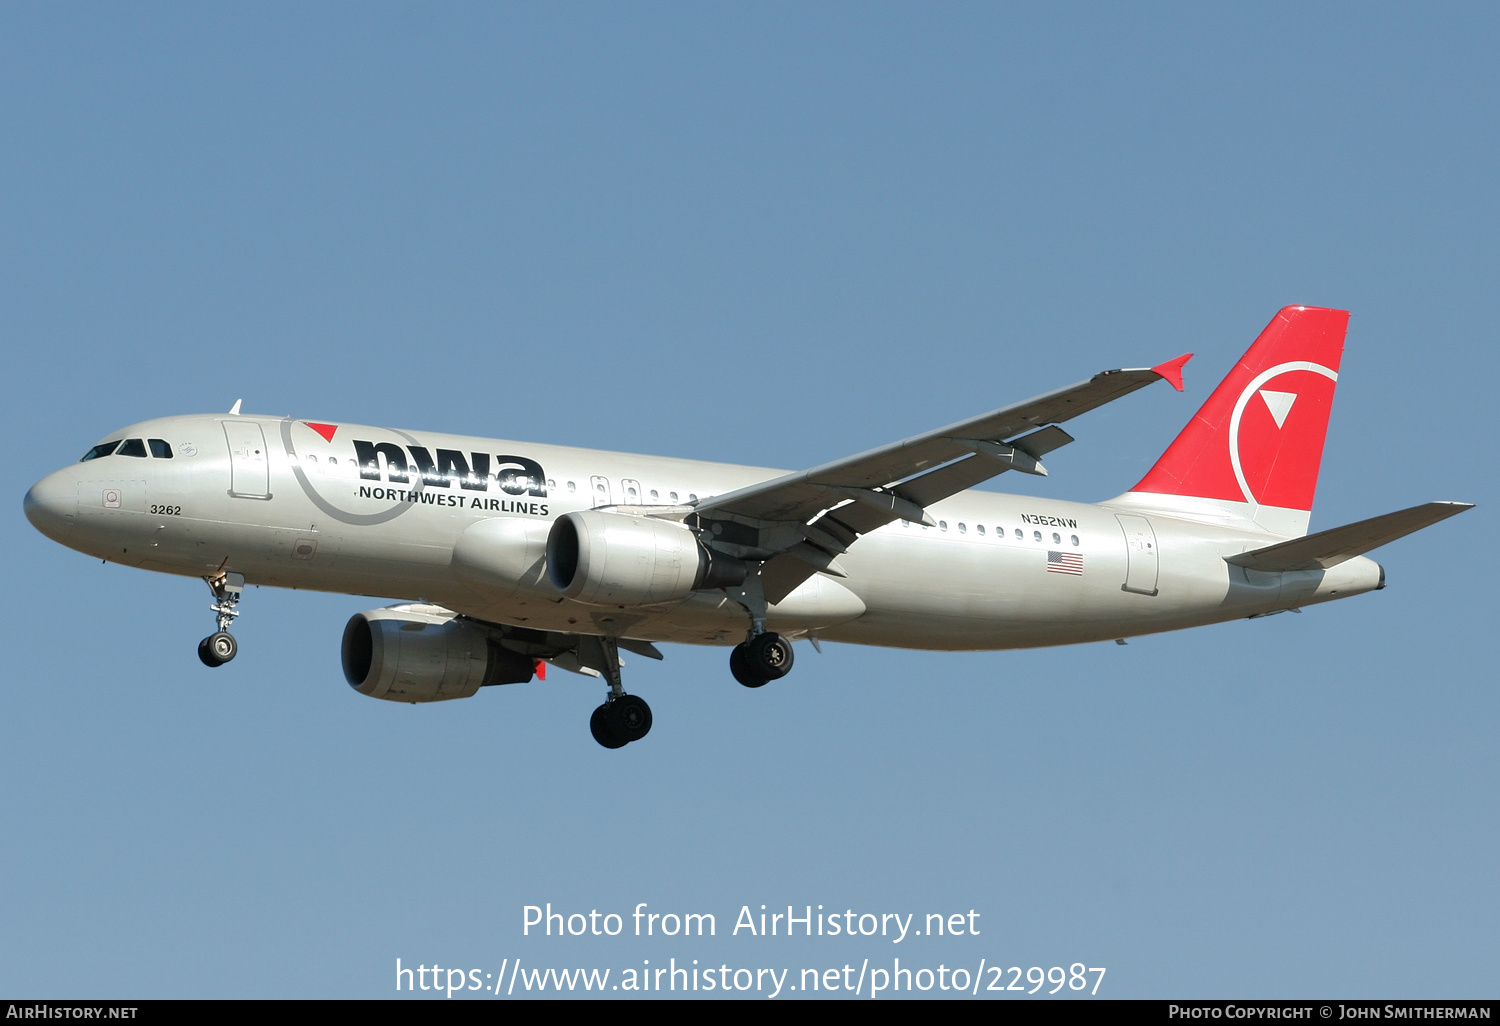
<point>761,659</point>
<point>764,655</point>
<point>620,721</point>
<point>622,718</point>
<point>220,647</point>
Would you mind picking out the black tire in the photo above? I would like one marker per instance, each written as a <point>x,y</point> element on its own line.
<point>741,669</point>
<point>769,655</point>
<point>629,717</point>
<point>603,730</point>
<point>222,646</point>
<point>206,654</point>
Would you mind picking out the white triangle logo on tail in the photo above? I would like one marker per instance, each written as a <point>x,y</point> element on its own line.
<point>1279,403</point>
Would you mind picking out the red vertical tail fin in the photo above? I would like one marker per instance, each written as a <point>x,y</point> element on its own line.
<point>1257,443</point>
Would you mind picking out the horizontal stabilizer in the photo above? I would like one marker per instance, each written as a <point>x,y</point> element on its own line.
<point>1332,547</point>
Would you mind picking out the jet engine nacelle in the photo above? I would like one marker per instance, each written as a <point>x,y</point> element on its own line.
<point>619,559</point>
<point>419,653</point>
<point>505,558</point>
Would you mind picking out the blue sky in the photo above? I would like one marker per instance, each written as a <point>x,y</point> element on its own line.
<point>775,235</point>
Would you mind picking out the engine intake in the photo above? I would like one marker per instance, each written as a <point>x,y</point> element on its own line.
<point>415,653</point>
<point>618,559</point>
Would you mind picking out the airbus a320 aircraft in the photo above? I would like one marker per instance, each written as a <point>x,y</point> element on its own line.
<point>513,555</point>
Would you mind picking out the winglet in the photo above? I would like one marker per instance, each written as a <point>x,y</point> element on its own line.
<point>1171,371</point>
<point>234,411</point>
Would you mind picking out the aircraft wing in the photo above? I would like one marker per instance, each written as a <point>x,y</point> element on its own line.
<point>821,511</point>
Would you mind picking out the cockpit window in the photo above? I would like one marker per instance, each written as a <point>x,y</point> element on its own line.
<point>102,449</point>
<point>159,448</point>
<point>132,447</point>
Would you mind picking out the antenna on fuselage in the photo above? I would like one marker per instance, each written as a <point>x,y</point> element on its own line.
<point>234,411</point>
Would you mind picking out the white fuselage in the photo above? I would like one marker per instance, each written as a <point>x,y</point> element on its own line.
<point>276,501</point>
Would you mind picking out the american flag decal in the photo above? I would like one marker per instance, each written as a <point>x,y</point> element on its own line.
<point>1065,563</point>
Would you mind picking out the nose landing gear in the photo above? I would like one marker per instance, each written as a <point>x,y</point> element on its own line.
<point>220,647</point>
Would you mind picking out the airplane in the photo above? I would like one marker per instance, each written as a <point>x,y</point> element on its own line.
<point>506,557</point>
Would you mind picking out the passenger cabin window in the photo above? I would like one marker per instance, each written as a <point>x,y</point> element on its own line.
<point>1075,542</point>
<point>672,496</point>
<point>692,497</point>
<point>1036,535</point>
<point>979,528</point>
<point>159,448</point>
<point>1019,535</point>
<point>962,529</point>
<point>102,449</point>
<point>654,495</point>
<point>1056,539</point>
<point>133,447</point>
<point>573,488</point>
<point>942,525</point>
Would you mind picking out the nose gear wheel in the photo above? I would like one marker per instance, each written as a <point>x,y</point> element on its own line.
<point>217,649</point>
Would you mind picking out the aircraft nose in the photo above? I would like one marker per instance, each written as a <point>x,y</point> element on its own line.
<point>52,503</point>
